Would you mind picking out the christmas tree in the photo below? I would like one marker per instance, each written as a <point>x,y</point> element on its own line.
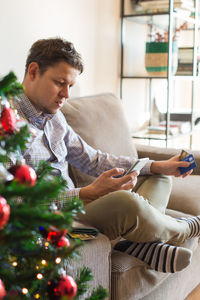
<point>34,240</point>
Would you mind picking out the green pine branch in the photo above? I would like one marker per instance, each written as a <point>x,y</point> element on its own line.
<point>99,293</point>
<point>82,280</point>
<point>84,276</point>
<point>9,86</point>
<point>12,143</point>
<point>21,240</point>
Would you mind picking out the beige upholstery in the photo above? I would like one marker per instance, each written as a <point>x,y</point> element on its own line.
<point>95,254</point>
<point>100,120</point>
<point>89,118</point>
<point>137,281</point>
<point>149,284</point>
<point>185,196</point>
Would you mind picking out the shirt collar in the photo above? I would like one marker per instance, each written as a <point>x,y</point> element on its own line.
<point>31,112</point>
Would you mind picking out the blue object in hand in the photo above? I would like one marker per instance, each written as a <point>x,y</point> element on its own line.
<point>192,165</point>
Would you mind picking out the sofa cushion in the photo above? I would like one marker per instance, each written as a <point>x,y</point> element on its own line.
<point>100,121</point>
<point>184,196</point>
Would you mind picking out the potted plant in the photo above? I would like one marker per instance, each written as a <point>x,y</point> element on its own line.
<point>156,56</point>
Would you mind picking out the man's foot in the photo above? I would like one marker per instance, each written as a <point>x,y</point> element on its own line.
<point>159,256</point>
<point>194,226</point>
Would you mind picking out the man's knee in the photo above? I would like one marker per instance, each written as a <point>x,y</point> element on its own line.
<point>127,201</point>
<point>166,179</point>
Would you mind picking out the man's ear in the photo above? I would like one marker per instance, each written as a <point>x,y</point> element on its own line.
<point>33,70</point>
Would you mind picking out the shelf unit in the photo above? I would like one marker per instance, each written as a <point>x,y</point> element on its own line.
<point>147,18</point>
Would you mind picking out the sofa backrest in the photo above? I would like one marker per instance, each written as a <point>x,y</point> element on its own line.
<point>101,122</point>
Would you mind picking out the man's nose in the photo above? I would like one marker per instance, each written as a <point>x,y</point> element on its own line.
<point>65,92</point>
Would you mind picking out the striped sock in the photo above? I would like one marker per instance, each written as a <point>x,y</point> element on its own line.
<point>194,225</point>
<point>159,256</point>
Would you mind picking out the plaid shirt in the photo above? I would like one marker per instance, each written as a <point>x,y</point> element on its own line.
<point>57,143</point>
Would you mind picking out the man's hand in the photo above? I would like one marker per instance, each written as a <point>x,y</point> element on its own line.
<point>106,183</point>
<point>170,167</point>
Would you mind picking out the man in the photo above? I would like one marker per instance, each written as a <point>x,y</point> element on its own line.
<point>51,70</point>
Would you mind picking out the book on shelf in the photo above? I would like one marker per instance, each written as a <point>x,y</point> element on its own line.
<point>161,130</point>
<point>175,127</point>
<point>185,61</point>
<point>164,4</point>
<point>181,126</point>
<point>185,55</point>
<point>184,69</point>
<point>184,66</point>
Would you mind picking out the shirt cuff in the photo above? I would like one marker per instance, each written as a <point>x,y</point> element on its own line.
<point>146,169</point>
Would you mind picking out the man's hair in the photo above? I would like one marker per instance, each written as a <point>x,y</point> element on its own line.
<point>48,52</point>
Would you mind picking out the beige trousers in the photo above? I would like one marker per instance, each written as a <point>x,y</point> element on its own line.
<point>138,216</point>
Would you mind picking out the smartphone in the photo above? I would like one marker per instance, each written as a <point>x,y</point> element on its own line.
<point>137,166</point>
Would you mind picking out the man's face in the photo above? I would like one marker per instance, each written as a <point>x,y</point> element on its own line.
<point>50,90</point>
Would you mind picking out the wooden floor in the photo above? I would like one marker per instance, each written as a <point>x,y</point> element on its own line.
<point>195,295</point>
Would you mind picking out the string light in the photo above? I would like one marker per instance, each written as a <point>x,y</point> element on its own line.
<point>37,296</point>
<point>39,276</point>
<point>24,291</point>
<point>58,260</point>
<point>14,264</point>
<point>37,268</point>
<point>43,262</point>
<point>46,244</point>
<point>39,242</point>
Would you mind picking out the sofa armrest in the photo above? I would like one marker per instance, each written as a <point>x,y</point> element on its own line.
<point>158,153</point>
<point>95,255</point>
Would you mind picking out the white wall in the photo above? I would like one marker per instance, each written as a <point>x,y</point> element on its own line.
<point>92,25</point>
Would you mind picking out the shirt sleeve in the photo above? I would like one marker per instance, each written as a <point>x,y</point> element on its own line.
<point>68,195</point>
<point>146,169</point>
<point>94,162</point>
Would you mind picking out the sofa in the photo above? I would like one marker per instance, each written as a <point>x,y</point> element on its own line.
<point>101,121</point>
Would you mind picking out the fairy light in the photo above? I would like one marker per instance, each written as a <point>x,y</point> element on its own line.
<point>43,262</point>
<point>37,296</point>
<point>39,276</point>
<point>14,264</point>
<point>37,268</point>
<point>39,242</point>
<point>46,244</point>
<point>58,260</point>
<point>24,291</point>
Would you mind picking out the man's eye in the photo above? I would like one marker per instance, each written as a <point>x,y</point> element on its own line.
<point>59,83</point>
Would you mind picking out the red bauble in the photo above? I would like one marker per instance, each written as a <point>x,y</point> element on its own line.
<point>24,174</point>
<point>58,238</point>
<point>8,119</point>
<point>2,290</point>
<point>66,286</point>
<point>62,242</point>
<point>4,212</point>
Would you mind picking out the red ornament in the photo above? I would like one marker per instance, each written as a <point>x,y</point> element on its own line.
<point>2,290</point>
<point>4,212</point>
<point>62,242</point>
<point>8,119</point>
<point>58,238</point>
<point>24,174</point>
<point>66,286</point>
